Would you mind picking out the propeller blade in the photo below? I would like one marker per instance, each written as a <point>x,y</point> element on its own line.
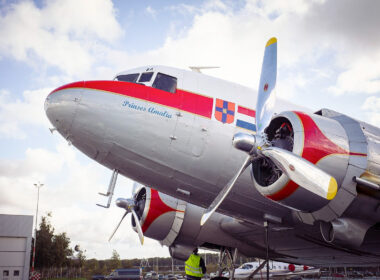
<point>266,94</point>
<point>139,229</point>
<point>118,225</point>
<point>225,191</point>
<point>303,172</point>
<point>135,187</point>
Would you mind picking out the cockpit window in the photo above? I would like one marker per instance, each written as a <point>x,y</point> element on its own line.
<point>145,77</point>
<point>165,82</point>
<point>132,78</point>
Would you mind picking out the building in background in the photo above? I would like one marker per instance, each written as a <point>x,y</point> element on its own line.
<point>15,245</point>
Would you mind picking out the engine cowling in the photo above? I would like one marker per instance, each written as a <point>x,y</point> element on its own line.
<point>161,216</point>
<point>176,224</point>
<point>320,140</point>
<point>180,252</point>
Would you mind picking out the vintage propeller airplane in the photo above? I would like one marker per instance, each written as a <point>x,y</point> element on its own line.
<point>222,171</point>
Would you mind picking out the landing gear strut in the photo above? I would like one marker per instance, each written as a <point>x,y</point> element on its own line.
<point>111,188</point>
<point>266,262</point>
<point>266,226</point>
<point>227,262</point>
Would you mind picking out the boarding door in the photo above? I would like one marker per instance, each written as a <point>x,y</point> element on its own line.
<point>189,134</point>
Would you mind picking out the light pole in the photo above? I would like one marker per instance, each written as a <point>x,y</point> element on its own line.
<point>38,186</point>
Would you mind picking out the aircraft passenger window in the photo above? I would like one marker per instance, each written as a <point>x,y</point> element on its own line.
<point>132,78</point>
<point>16,273</point>
<point>145,77</point>
<point>165,82</point>
<point>6,273</point>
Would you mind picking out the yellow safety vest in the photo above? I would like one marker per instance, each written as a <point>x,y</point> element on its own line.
<point>192,267</point>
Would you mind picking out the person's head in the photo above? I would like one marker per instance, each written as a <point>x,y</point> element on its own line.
<point>195,251</point>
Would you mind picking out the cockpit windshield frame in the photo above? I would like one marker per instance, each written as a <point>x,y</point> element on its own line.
<point>146,77</point>
<point>131,78</point>
<point>165,82</point>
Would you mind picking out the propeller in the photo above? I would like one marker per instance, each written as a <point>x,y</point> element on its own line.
<point>130,205</point>
<point>299,170</point>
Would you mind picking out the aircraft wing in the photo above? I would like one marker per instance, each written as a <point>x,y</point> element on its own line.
<point>175,223</point>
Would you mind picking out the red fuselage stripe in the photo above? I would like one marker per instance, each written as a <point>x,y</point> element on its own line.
<point>182,100</point>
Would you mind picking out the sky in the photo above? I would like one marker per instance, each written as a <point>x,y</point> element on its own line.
<point>328,57</point>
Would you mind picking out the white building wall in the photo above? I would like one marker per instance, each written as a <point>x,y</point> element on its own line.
<point>15,246</point>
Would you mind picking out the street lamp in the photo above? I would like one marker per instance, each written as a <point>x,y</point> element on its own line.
<point>38,186</point>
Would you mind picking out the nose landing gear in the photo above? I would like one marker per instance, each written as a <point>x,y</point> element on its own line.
<point>111,188</point>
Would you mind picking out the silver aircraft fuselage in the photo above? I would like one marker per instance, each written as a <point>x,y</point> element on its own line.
<point>179,143</point>
<point>155,140</point>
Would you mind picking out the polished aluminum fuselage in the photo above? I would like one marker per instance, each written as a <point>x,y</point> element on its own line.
<point>166,148</point>
<point>184,154</point>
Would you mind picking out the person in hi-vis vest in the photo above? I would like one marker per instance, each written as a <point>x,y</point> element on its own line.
<point>195,266</point>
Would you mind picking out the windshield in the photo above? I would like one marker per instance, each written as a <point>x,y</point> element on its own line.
<point>165,82</point>
<point>132,78</point>
<point>145,77</point>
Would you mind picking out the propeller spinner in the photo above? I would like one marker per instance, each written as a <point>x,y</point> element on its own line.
<point>299,170</point>
<point>131,205</point>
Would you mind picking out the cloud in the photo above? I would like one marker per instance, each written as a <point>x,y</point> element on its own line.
<point>63,34</point>
<point>70,192</point>
<point>372,107</point>
<point>349,25</point>
<point>86,19</point>
<point>351,37</point>
<point>15,114</point>
<point>37,162</point>
<point>362,76</point>
<point>150,11</point>
<point>312,40</point>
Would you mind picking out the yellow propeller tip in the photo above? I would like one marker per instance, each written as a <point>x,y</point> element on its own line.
<point>271,41</point>
<point>333,188</point>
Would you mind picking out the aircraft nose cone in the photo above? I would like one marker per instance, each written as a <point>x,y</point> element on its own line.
<point>61,105</point>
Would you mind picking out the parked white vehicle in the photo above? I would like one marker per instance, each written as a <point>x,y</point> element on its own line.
<point>276,269</point>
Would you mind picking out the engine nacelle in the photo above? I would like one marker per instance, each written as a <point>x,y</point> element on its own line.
<point>176,224</point>
<point>180,252</point>
<point>320,140</point>
<point>161,216</point>
<point>345,231</point>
